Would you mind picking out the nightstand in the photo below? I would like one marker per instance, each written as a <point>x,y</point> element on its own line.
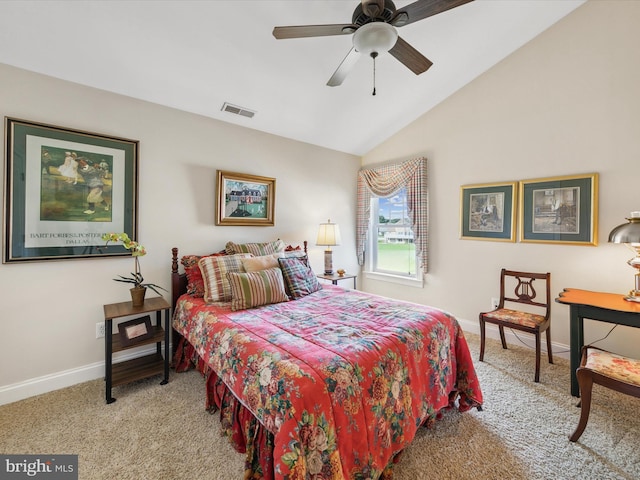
<point>140,367</point>
<point>335,278</point>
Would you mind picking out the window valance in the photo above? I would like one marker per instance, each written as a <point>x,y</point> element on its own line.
<point>384,181</point>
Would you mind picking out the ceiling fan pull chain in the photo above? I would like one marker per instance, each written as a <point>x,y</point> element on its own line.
<point>374,55</point>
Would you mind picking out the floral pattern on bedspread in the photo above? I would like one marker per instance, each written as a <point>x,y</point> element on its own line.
<point>342,379</point>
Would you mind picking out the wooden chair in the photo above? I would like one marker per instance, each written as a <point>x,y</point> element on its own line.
<point>535,320</point>
<point>609,370</point>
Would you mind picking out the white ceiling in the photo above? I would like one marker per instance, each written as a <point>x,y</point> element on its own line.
<point>196,55</point>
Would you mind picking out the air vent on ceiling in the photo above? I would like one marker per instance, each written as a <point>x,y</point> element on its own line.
<point>227,107</point>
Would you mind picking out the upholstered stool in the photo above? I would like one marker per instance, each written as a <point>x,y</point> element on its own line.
<point>609,370</point>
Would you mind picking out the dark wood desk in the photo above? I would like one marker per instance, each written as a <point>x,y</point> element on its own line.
<point>603,307</point>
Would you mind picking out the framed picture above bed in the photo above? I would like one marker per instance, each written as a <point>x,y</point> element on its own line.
<point>64,189</point>
<point>487,211</point>
<point>245,200</point>
<point>560,210</point>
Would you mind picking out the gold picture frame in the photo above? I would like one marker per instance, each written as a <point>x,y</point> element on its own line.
<point>559,210</point>
<point>64,189</point>
<point>488,211</point>
<point>245,200</point>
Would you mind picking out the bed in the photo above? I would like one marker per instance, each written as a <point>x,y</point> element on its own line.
<point>332,384</point>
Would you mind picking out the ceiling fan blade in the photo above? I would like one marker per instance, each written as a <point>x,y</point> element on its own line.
<point>344,68</point>
<point>313,31</point>
<point>410,57</point>
<point>423,9</point>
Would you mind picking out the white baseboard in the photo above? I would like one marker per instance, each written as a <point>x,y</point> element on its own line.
<point>48,383</point>
<point>559,349</point>
<point>55,381</point>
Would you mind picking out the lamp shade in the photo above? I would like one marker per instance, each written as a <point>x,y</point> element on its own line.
<point>627,232</point>
<point>376,37</point>
<point>328,234</point>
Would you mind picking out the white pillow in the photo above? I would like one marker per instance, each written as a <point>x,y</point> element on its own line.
<point>262,262</point>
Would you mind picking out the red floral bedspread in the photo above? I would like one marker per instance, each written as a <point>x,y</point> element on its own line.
<point>342,379</point>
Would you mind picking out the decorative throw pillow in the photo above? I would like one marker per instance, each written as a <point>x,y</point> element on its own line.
<point>299,254</point>
<point>299,278</point>
<point>261,263</point>
<point>214,272</point>
<point>257,249</point>
<point>252,289</point>
<point>195,282</point>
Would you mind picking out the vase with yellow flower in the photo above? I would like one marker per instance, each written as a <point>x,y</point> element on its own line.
<point>136,279</point>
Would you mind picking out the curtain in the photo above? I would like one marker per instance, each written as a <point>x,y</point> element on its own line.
<point>384,181</point>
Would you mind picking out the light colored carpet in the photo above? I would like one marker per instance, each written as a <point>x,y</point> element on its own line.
<point>164,433</point>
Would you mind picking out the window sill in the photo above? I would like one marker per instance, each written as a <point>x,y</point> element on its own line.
<point>385,277</point>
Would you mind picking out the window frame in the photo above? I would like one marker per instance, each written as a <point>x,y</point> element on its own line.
<point>371,270</point>
<point>382,181</point>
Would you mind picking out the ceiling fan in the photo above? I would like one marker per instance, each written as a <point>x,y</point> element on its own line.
<point>373,26</point>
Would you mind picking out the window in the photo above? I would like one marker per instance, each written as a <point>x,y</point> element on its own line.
<point>392,248</point>
<point>392,221</point>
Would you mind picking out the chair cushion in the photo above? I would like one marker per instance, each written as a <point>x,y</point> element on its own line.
<point>615,366</point>
<point>516,317</point>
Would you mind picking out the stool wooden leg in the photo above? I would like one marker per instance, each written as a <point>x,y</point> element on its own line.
<point>502,339</point>
<point>481,339</point>
<point>537,376</point>
<point>586,383</point>
<point>549,345</point>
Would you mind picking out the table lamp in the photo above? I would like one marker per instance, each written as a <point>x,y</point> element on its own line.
<point>328,235</point>
<point>629,234</point>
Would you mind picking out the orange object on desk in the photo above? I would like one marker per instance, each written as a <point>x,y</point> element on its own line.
<point>611,301</point>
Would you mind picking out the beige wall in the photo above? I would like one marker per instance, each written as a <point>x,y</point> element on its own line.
<point>566,103</point>
<point>49,309</point>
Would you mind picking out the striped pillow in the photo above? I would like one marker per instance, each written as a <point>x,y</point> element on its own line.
<point>214,272</point>
<point>253,289</point>
<point>257,249</point>
<point>195,282</point>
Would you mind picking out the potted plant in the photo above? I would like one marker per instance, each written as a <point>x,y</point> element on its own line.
<point>136,279</point>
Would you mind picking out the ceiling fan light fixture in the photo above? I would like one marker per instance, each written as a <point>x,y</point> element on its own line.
<point>376,37</point>
<point>400,19</point>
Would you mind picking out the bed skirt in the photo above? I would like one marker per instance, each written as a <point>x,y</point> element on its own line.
<point>239,425</point>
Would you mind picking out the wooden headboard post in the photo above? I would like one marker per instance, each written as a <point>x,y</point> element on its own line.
<point>178,280</point>
<point>178,287</point>
<point>290,248</point>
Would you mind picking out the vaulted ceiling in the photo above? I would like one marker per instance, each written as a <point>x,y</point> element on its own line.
<point>197,55</point>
